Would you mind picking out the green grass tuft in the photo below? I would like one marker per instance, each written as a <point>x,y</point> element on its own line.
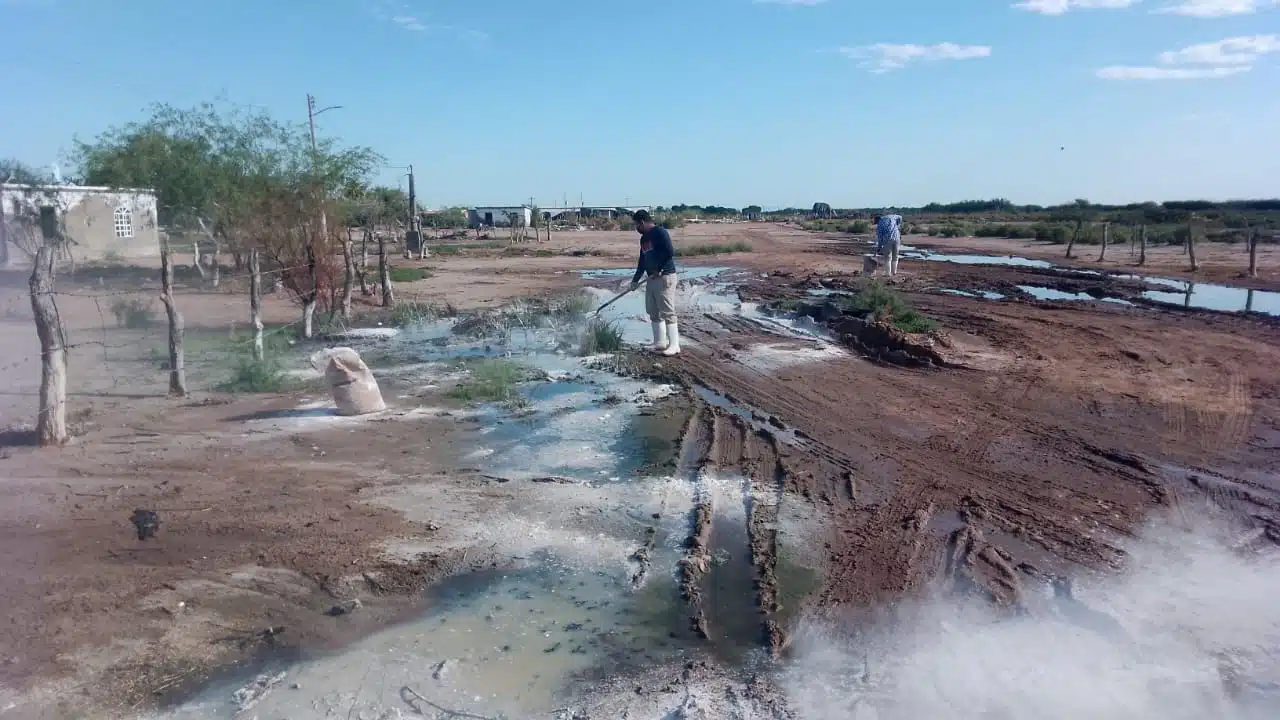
<point>408,274</point>
<point>407,314</point>
<point>713,249</point>
<point>600,336</point>
<point>491,380</point>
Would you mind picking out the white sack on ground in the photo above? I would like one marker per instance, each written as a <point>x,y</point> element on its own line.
<point>355,390</point>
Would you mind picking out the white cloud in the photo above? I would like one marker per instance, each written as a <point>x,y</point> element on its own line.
<point>409,22</point>
<point>1214,60</point>
<point>1060,7</point>
<point>1243,50</point>
<point>883,57</point>
<point>1217,8</point>
<point>1122,72</point>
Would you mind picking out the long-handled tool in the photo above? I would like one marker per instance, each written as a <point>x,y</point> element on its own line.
<point>615,299</point>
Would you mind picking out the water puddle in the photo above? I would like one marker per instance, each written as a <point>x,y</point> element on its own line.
<point>1204,296</point>
<point>494,643</point>
<point>1044,293</point>
<point>981,294</point>
<point>1219,297</point>
<point>1010,260</point>
<point>733,615</point>
<point>754,420</point>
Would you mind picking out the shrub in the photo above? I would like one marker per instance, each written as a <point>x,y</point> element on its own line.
<point>249,375</point>
<point>858,227</point>
<point>134,313</point>
<point>952,231</point>
<point>671,222</point>
<point>1057,234</point>
<point>932,231</point>
<point>885,305</point>
<point>600,336</point>
<point>408,274</point>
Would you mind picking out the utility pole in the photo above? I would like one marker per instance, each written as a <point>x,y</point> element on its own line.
<point>415,229</point>
<point>312,112</point>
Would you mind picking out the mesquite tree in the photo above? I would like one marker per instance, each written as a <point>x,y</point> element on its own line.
<point>244,181</point>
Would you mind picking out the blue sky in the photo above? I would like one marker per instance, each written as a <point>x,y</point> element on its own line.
<point>733,102</point>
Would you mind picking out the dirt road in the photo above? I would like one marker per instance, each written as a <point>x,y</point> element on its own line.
<point>1050,432</point>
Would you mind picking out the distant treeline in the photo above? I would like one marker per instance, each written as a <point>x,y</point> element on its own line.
<point>1232,213</point>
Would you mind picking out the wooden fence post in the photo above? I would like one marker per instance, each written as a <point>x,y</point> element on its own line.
<point>1074,237</point>
<point>349,277</point>
<point>1253,253</point>
<point>362,272</point>
<point>1142,250</point>
<point>1191,245</point>
<point>384,273</point>
<point>255,303</point>
<point>51,425</point>
<point>177,363</point>
<point>312,296</point>
<point>1106,238</point>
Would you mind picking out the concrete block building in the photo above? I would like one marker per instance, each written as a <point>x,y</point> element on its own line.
<point>99,222</point>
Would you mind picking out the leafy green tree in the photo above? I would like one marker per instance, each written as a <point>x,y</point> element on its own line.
<point>242,179</point>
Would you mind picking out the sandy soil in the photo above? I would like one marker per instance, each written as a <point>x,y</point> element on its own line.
<point>1051,432</point>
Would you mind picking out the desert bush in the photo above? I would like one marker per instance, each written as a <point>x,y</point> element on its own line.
<point>133,313</point>
<point>671,222</point>
<point>1057,234</point>
<point>249,375</point>
<point>884,305</point>
<point>858,227</point>
<point>952,231</point>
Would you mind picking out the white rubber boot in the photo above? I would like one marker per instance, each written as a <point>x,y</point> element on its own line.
<point>659,337</point>
<point>673,340</point>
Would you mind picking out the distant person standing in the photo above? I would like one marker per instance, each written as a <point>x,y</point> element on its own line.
<point>889,240</point>
<point>658,262</point>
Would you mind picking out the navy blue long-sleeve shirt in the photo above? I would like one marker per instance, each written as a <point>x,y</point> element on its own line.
<point>657,254</point>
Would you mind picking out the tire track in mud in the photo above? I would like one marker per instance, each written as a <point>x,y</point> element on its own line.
<point>698,447</point>
<point>884,542</point>
<point>738,477</point>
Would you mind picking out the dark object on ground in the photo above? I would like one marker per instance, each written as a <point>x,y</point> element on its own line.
<point>147,522</point>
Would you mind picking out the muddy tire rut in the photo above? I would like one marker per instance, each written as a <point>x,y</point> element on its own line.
<point>738,478</point>
<point>975,482</point>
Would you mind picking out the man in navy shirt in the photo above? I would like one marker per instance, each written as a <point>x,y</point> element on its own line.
<point>658,262</point>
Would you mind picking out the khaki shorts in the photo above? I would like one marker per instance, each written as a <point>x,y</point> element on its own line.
<point>660,298</point>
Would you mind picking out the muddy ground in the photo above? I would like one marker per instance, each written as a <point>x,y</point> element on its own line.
<point>1035,441</point>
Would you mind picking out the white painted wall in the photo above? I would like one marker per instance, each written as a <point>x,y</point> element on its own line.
<point>88,214</point>
<point>501,215</point>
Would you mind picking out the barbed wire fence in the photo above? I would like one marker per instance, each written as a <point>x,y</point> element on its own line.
<point>116,328</point>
